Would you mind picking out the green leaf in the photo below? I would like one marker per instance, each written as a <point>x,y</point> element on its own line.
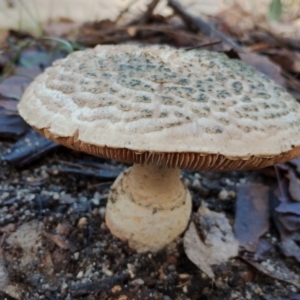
<point>275,10</point>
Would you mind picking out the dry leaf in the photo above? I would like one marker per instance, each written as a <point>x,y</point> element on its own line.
<point>196,250</point>
<point>290,248</point>
<point>218,245</point>
<point>279,271</point>
<point>264,65</point>
<point>294,186</point>
<point>252,214</point>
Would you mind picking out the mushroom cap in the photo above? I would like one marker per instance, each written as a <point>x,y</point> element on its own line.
<point>156,104</point>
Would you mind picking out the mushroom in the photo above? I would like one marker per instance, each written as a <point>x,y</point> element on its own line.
<point>162,109</point>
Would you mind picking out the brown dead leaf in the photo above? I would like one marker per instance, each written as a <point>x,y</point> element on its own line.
<point>264,65</point>
<point>288,60</point>
<point>252,214</point>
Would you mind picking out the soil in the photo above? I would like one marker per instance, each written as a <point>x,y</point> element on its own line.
<point>74,256</point>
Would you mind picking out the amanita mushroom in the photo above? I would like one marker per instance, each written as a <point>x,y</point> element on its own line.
<point>162,109</point>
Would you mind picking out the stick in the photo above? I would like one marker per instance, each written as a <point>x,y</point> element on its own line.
<point>209,30</point>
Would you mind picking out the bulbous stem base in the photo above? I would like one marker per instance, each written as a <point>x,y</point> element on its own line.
<point>149,206</point>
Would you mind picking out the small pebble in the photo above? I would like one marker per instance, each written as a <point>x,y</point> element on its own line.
<point>79,275</point>
<point>196,184</point>
<point>82,222</point>
<point>107,272</point>
<point>223,195</point>
<point>55,196</point>
<point>96,201</point>
<point>137,281</point>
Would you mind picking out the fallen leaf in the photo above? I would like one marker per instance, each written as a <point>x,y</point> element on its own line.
<point>290,248</point>
<point>290,222</point>
<point>29,148</point>
<point>275,199</point>
<point>9,104</point>
<point>296,163</point>
<point>252,214</point>
<point>14,86</point>
<point>288,207</point>
<point>11,124</point>
<point>279,271</point>
<point>264,65</point>
<point>218,244</point>
<point>294,186</point>
<point>263,247</point>
<point>196,250</point>
<point>288,60</point>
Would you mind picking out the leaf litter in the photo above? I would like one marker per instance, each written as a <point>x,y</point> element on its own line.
<point>217,245</point>
<point>265,49</point>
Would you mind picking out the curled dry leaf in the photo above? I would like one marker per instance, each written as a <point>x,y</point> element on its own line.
<point>218,245</point>
<point>196,250</point>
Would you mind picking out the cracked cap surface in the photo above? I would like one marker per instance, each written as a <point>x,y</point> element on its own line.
<point>156,104</point>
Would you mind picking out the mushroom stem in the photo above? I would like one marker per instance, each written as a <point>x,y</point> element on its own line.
<point>148,206</point>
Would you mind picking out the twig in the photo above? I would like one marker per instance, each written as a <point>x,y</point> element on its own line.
<point>209,30</point>
<point>124,11</point>
<point>148,13</point>
<point>204,45</point>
